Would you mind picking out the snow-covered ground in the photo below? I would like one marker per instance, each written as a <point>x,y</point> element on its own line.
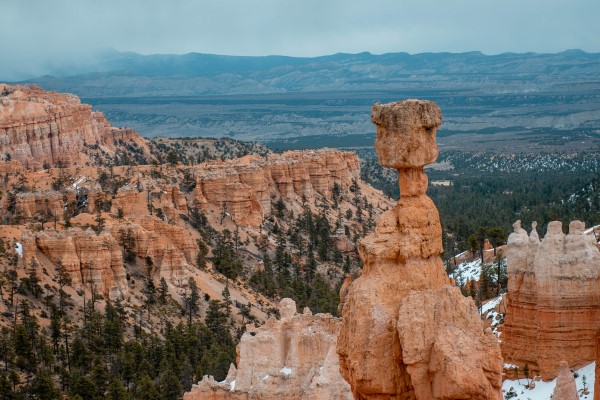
<point>79,181</point>
<point>488,310</point>
<point>468,271</point>
<point>543,390</point>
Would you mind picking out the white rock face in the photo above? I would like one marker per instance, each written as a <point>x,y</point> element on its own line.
<point>293,358</point>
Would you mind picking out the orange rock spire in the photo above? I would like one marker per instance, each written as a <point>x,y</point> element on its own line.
<point>553,304</point>
<point>407,332</point>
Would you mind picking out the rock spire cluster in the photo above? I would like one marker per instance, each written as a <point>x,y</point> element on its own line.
<point>553,309</point>
<point>291,358</point>
<point>407,332</point>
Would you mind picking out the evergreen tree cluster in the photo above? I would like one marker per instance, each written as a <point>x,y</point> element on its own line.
<point>93,360</point>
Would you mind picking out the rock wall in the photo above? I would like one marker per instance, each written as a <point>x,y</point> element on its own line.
<point>293,358</point>
<point>407,332</point>
<point>93,261</point>
<point>170,247</point>
<point>39,127</point>
<point>244,188</point>
<point>553,309</point>
<point>597,372</point>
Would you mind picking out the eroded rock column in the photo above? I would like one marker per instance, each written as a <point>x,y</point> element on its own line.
<point>553,309</point>
<point>407,332</point>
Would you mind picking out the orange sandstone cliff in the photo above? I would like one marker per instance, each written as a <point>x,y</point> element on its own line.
<point>407,332</point>
<point>292,358</point>
<point>38,127</point>
<point>553,298</point>
<point>243,188</point>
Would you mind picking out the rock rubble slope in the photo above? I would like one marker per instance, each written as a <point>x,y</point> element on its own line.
<point>407,332</point>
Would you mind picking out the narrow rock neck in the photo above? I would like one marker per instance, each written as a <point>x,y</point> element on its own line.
<point>412,181</point>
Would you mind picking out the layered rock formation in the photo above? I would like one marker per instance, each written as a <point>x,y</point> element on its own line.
<point>407,332</point>
<point>565,389</point>
<point>243,188</point>
<point>597,371</point>
<point>292,358</point>
<point>553,309</point>
<point>170,247</point>
<point>39,127</point>
<point>94,262</point>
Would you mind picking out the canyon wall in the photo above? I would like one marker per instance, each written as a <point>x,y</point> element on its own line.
<point>597,371</point>
<point>407,332</point>
<point>244,188</point>
<point>94,262</point>
<point>293,358</point>
<point>553,309</point>
<point>38,127</point>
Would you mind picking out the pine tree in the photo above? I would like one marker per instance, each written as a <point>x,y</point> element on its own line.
<point>42,388</point>
<point>163,291</point>
<point>227,300</point>
<point>63,278</point>
<point>33,280</point>
<point>170,387</point>
<point>100,222</point>
<point>201,257</point>
<point>115,390</point>
<point>191,299</point>
<point>149,289</point>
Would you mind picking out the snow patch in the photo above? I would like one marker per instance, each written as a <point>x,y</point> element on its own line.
<point>19,249</point>
<point>286,371</point>
<point>489,311</point>
<point>79,181</point>
<point>490,305</point>
<point>232,386</point>
<point>469,271</point>
<point>543,390</point>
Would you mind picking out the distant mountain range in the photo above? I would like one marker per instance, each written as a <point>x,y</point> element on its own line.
<point>132,74</point>
<point>278,99</point>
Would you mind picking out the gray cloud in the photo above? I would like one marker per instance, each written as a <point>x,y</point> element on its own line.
<point>35,34</point>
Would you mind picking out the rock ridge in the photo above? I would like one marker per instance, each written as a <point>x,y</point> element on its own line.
<point>39,127</point>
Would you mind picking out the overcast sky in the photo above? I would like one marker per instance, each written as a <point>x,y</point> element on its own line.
<point>34,33</point>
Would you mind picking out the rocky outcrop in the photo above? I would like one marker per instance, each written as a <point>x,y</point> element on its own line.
<point>293,358</point>
<point>94,262</point>
<point>244,188</point>
<point>407,332</point>
<point>553,309</point>
<point>45,204</point>
<point>170,247</point>
<point>565,388</point>
<point>38,127</point>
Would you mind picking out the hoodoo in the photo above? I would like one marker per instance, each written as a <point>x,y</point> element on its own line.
<point>290,358</point>
<point>565,389</point>
<point>553,309</point>
<point>407,332</point>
